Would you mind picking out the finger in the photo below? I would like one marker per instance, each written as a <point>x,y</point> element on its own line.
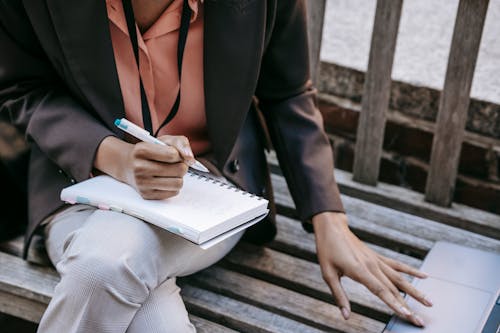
<point>158,195</point>
<point>382,292</point>
<point>169,184</point>
<point>156,152</point>
<point>145,169</point>
<point>381,276</point>
<point>403,268</point>
<point>405,286</point>
<point>181,143</point>
<point>332,279</point>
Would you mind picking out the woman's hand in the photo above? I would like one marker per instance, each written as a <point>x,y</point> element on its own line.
<point>341,253</point>
<point>155,171</point>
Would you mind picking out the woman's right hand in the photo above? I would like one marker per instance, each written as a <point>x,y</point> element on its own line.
<point>155,171</point>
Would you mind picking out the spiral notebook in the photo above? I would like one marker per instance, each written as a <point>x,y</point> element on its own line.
<point>205,212</point>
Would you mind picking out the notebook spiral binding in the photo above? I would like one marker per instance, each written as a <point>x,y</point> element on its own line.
<point>221,184</point>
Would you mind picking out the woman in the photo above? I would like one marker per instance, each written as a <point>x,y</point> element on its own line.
<point>193,73</point>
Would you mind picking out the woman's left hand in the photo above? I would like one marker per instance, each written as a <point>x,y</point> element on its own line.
<point>341,253</point>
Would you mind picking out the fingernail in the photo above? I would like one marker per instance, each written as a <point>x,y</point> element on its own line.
<point>345,312</point>
<point>190,162</point>
<point>188,152</point>
<point>428,301</point>
<point>419,321</point>
<point>405,311</point>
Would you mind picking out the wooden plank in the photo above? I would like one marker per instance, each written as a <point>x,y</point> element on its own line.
<point>376,92</point>
<point>421,228</point>
<point>32,310</point>
<point>301,276</point>
<point>315,21</point>
<point>238,315</point>
<point>205,326</point>
<point>25,291</point>
<point>399,198</point>
<point>293,240</point>
<point>454,101</point>
<point>24,308</point>
<point>386,226</point>
<point>291,304</point>
<point>19,278</point>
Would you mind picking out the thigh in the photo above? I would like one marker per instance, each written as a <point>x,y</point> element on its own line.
<point>110,235</point>
<point>60,227</point>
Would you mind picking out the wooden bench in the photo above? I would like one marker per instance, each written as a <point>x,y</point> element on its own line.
<point>276,288</point>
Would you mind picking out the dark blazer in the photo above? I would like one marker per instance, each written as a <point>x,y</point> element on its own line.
<point>59,84</point>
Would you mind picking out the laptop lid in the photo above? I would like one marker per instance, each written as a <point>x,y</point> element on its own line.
<point>463,283</point>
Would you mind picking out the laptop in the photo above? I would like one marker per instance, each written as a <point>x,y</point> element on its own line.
<point>464,285</point>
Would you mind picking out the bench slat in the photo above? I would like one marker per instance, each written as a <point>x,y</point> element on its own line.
<point>19,278</point>
<point>293,240</point>
<point>411,202</point>
<point>21,307</point>
<point>376,92</point>
<point>414,231</point>
<point>32,311</point>
<point>301,276</point>
<point>291,304</point>
<point>205,326</point>
<point>26,289</point>
<point>238,315</point>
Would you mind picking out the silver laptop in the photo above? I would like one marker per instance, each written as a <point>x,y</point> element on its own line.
<point>464,285</point>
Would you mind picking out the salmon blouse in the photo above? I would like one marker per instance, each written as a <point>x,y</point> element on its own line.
<point>158,70</point>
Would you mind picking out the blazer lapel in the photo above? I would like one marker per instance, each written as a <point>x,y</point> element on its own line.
<point>83,31</point>
<point>233,46</point>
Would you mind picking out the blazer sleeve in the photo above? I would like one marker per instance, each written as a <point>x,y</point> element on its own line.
<point>288,103</point>
<point>35,99</point>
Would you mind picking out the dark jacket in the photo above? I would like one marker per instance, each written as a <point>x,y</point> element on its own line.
<point>59,84</point>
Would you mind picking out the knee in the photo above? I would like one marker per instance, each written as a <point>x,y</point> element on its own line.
<point>95,271</point>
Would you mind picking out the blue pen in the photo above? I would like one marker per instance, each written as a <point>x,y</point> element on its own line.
<point>144,135</point>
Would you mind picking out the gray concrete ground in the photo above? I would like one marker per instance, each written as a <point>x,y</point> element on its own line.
<point>423,42</point>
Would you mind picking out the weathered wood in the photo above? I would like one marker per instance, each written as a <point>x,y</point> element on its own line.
<point>25,291</point>
<point>301,276</point>
<point>411,202</point>
<point>294,305</point>
<point>376,92</point>
<point>238,315</point>
<point>22,279</point>
<point>205,326</point>
<point>315,21</point>
<point>24,308</point>
<point>421,228</point>
<point>293,240</point>
<point>454,101</point>
<point>386,226</point>
<point>32,310</point>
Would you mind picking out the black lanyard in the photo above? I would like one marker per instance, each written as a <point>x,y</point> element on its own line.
<point>183,31</point>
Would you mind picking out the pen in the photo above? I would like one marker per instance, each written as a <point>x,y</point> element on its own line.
<point>144,135</point>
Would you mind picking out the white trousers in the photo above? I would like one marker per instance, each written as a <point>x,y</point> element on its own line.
<point>118,273</point>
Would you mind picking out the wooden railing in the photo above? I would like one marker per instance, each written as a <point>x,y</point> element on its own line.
<point>454,101</point>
